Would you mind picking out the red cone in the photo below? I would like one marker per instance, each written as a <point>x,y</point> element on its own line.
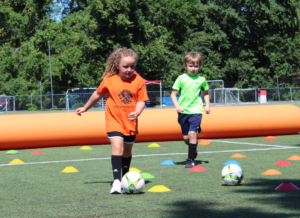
<point>287,186</point>
<point>36,152</point>
<point>197,168</point>
<point>282,163</point>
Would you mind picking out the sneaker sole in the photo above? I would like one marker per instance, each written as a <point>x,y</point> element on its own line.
<point>116,192</point>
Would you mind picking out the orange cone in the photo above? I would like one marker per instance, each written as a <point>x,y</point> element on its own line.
<point>236,155</point>
<point>204,142</point>
<point>271,172</point>
<point>270,138</point>
<point>294,157</point>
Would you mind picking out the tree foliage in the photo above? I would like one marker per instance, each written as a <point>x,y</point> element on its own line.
<point>250,42</point>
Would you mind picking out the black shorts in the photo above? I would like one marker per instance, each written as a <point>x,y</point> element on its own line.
<point>127,139</point>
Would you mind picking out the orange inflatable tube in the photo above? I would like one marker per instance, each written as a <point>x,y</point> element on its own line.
<point>65,129</point>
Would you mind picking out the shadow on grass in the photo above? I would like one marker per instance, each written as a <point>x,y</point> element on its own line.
<point>263,201</point>
<point>197,162</point>
<point>109,182</point>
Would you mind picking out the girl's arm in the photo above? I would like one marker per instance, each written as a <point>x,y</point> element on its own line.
<point>95,97</point>
<point>175,102</point>
<point>138,110</point>
<point>206,99</point>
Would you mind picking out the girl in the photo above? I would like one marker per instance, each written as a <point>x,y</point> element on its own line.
<point>126,96</point>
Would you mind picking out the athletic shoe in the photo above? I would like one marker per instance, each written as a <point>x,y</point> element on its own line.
<point>189,163</point>
<point>116,187</point>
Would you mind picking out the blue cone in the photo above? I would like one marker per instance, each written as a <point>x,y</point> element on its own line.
<point>231,162</point>
<point>168,162</point>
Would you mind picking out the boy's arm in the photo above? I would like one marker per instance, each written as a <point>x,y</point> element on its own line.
<point>206,99</point>
<point>175,102</point>
<point>95,97</point>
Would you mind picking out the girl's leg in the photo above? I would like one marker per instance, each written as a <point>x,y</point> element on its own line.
<point>117,147</point>
<point>126,159</point>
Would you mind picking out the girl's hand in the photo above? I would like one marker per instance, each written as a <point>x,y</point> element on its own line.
<point>80,110</point>
<point>207,110</point>
<point>133,116</point>
<point>179,109</point>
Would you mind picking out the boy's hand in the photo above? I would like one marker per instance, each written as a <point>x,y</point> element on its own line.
<point>179,109</point>
<point>133,116</point>
<point>80,110</point>
<point>207,110</point>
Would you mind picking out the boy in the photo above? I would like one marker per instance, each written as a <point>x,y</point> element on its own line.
<point>190,106</point>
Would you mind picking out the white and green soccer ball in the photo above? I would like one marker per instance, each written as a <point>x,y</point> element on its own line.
<point>232,174</point>
<point>133,182</point>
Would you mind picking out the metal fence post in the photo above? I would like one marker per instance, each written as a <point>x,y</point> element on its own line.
<point>256,95</point>
<point>291,93</point>
<point>41,99</point>
<point>214,97</point>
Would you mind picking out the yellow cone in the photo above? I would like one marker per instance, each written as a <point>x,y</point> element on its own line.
<point>154,145</point>
<point>134,169</point>
<point>16,161</point>
<point>70,170</point>
<point>159,188</point>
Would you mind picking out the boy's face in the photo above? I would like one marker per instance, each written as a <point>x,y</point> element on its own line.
<point>192,68</point>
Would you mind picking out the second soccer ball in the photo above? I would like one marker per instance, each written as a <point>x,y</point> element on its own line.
<point>232,174</point>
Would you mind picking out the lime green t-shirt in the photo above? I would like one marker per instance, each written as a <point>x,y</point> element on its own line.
<point>189,88</point>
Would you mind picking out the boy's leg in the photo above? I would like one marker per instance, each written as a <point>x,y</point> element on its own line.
<point>192,145</point>
<point>184,124</point>
<point>187,142</point>
<point>194,128</point>
<point>128,143</point>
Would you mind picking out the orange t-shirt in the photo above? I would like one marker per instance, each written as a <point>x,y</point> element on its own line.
<point>122,97</point>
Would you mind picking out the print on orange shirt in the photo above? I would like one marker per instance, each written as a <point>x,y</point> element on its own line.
<point>126,96</point>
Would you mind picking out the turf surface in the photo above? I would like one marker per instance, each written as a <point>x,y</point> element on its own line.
<point>38,188</point>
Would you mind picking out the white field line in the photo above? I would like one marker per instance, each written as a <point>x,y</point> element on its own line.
<point>151,155</point>
<point>245,143</point>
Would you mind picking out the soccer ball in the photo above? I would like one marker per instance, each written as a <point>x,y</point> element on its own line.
<point>133,182</point>
<point>232,174</point>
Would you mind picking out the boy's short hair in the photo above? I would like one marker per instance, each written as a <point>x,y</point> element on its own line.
<point>193,57</point>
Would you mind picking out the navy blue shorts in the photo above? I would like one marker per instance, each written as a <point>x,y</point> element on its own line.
<point>190,122</point>
<point>127,139</point>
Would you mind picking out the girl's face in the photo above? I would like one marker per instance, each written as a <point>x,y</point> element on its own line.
<point>192,68</point>
<point>126,67</point>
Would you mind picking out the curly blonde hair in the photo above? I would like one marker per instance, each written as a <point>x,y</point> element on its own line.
<point>193,57</point>
<point>115,57</point>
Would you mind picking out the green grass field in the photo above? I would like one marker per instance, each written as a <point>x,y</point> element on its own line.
<point>38,188</point>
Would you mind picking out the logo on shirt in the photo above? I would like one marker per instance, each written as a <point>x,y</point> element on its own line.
<point>126,96</point>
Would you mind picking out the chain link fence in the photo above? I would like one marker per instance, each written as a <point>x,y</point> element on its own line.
<point>217,96</point>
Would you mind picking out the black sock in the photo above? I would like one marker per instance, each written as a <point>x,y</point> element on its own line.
<point>125,165</point>
<point>192,151</point>
<point>116,162</point>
